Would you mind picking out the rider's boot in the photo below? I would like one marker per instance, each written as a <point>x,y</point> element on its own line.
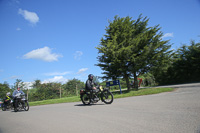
<point>5,106</point>
<point>15,106</point>
<point>91,96</point>
<point>15,109</point>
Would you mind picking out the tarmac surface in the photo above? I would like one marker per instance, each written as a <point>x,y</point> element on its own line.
<point>169,112</point>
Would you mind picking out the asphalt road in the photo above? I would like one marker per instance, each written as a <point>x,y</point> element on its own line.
<point>170,112</point>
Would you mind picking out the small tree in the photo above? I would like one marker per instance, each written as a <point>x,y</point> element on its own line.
<point>36,83</point>
<point>4,88</point>
<point>19,83</point>
<point>72,86</point>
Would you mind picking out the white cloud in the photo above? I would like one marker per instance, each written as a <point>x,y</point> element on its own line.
<point>14,77</point>
<point>82,70</point>
<point>13,2</point>
<point>32,17</point>
<point>78,55</point>
<point>57,79</point>
<point>56,73</point>
<point>42,54</point>
<point>28,85</point>
<point>18,29</point>
<point>16,1</point>
<point>168,35</point>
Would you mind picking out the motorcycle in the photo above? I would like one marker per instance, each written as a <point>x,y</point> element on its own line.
<point>22,102</point>
<point>100,93</point>
<point>9,106</point>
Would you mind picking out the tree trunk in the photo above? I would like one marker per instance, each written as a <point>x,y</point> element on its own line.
<point>127,83</point>
<point>135,81</point>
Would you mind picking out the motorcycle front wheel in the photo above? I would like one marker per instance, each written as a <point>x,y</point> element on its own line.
<point>85,98</point>
<point>107,97</point>
<point>26,106</point>
<point>3,107</point>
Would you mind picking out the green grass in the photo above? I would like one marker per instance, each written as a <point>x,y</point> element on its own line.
<point>53,101</point>
<point>145,91</point>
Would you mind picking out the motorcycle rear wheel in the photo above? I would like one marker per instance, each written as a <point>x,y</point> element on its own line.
<point>107,97</point>
<point>85,98</point>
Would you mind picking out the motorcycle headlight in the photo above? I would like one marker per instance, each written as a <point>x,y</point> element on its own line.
<point>101,88</point>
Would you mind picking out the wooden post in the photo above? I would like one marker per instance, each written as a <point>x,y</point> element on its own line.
<point>76,90</point>
<point>27,93</point>
<point>60,92</point>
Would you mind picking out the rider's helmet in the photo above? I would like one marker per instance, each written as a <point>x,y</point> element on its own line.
<point>90,76</point>
<point>8,94</point>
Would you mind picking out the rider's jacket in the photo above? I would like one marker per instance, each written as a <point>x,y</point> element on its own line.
<point>16,91</point>
<point>89,84</point>
<point>8,98</point>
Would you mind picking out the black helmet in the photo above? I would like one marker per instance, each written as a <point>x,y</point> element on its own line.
<point>90,75</point>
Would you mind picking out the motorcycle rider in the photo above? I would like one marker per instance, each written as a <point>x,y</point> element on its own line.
<point>90,85</point>
<point>7,99</point>
<point>15,102</point>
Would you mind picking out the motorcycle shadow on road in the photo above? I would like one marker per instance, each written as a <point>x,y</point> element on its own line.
<point>82,105</point>
<point>19,111</point>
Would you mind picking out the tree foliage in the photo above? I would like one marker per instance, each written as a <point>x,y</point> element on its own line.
<point>19,84</point>
<point>184,66</point>
<point>72,86</point>
<point>4,88</point>
<point>130,48</point>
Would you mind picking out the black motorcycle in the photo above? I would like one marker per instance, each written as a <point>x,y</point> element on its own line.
<point>22,102</point>
<point>100,93</point>
<point>9,105</point>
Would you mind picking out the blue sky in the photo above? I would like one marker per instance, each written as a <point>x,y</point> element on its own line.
<point>55,40</point>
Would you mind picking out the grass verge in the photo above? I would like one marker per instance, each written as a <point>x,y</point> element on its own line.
<point>53,101</point>
<point>144,91</point>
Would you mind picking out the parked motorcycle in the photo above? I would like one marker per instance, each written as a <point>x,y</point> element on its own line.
<point>9,106</point>
<point>22,102</point>
<point>100,93</point>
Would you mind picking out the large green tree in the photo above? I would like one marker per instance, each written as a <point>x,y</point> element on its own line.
<point>185,66</point>
<point>130,48</point>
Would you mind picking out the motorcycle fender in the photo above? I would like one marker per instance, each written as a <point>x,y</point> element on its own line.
<point>82,94</point>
